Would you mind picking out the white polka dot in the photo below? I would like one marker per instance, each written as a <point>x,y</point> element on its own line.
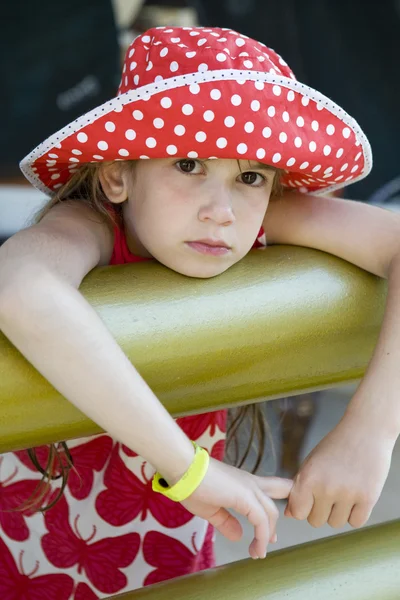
<point>130,134</point>
<point>77,152</point>
<point>249,127</point>
<point>200,136</point>
<point>102,145</point>
<point>358,156</point>
<point>312,146</point>
<point>236,100</point>
<point>248,64</point>
<point>344,167</point>
<point>131,52</point>
<point>110,126</point>
<point>151,142</point>
<point>202,41</point>
<point>339,153</point>
<point>187,109</point>
<point>98,157</point>
<point>290,96</point>
<point>259,85</point>
<point>222,142</point>
<point>192,154</point>
<point>346,132</point>
<point>328,170</point>
<point>73,159</point>
<point>277,90</point>
<point>166,102</point>
<point>300,122</point>
<point>179,130</point>
<point>57,185</point>
<point>255,105</point>
<point>138,115</point>
<point>191,54</point>
<point>194,33</point>
<point>158,78</point>
<point>221,57</point>
<point>202,68</point>
<point>209,116</point>
<point>158,123</point>
<point>304,165</point>
<point>173,66</point>
<point>53,155</point>
<point>320,106</point>
<point>339,178</point>
<point>132,66</point>
<point>305,101</point>
<point>55,176</point>
<point>316,168</point>
<point>260,153</point>
<point>82,137</point>
<point>285,116</point>
<point>297,142</point>
<point>290,162</point>
<point>229,121</point>
<point>276,157</point>
<point>330,130</point>
<point>355,168</point>
<point>194,88</point>
<point>118,108</point>
<point>146,39</point>
<point>171,149</point>
<point>49,163</point>
<point>315,125</point>
<point>164,52</point>
<point>239,42</point>
<point>175,40</point>
<point>266,132</point>
<point>242,148</point>
<point>123,152</point>
<point>136,79</point>
<point>282,137</point>
<point>215,94</point>
<point>327,150</point>
<point>271,111</point>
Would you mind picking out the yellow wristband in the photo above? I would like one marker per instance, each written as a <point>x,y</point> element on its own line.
<point>189,482</point>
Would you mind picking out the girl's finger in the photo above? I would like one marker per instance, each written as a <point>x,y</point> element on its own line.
<point>301,502</point>
<point>259,519</point>
<point>320,512</point>
<point>272,511</point>
<point>340,515</point>
<point>227,525</point>
<point>360,514</point>
<point>275,487</point>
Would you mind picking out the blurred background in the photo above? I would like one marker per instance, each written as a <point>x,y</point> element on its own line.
<point>61,59</point>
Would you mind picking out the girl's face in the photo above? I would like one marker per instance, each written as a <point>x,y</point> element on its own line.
<point>197,217</point>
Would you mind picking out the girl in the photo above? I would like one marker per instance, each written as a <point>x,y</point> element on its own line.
<point>224,124</point>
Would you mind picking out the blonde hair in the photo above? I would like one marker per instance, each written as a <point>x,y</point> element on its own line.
<point>85,186</point>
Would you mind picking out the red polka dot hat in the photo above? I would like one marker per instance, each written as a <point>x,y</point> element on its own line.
<point>210,92</point>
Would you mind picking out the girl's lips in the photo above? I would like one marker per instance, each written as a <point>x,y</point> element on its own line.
<point>204,248</point>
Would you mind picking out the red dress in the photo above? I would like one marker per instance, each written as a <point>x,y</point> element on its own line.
<point>110,533</point>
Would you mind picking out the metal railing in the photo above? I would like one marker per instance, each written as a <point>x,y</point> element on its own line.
<point>281,322</point>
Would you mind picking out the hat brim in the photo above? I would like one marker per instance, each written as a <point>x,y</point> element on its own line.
<point>214,114</point>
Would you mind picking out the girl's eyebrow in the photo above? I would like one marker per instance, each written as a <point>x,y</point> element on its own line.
<point>263,166</point>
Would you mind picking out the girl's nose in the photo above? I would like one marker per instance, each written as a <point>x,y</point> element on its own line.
<point>217,207</point>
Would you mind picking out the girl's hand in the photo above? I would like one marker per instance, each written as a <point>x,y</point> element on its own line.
<point>225,487</point>
<point>342,478</point>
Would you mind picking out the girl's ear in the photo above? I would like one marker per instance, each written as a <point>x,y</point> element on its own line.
<point>113,182</point>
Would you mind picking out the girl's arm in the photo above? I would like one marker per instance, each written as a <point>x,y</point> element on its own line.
<point>54,327</point>
<point>342,478</point>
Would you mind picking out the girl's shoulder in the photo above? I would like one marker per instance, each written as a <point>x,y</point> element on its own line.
<point>77,223</point>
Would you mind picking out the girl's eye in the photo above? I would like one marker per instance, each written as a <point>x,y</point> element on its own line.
<point>188,165</point>
<point>252,178</point>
